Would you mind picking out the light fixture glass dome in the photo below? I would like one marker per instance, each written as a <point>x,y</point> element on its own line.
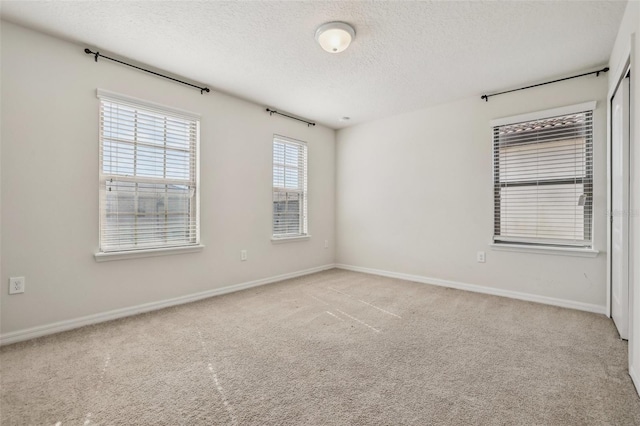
<point>335,37</point>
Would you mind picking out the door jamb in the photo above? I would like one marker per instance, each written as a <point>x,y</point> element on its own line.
<point>618,75</point>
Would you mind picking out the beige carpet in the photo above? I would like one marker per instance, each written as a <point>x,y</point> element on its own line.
<point>333,348</point>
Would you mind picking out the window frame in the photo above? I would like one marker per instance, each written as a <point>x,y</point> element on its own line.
<point>524,244</point>
<point>194,167</point>
<point>303,223</point>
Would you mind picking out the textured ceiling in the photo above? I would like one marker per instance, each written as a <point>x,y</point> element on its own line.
<point>406,55</point>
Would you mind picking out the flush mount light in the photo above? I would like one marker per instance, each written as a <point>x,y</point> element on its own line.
<point>335,37</point>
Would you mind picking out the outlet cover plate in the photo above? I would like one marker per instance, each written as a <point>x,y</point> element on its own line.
<point>16,285</point>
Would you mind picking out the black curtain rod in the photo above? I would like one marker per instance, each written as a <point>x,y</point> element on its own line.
<point>272,111</point>
<point>597,73</point>
<point>98,54</point>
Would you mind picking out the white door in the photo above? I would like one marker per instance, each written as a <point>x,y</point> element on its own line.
<point>620,113</point>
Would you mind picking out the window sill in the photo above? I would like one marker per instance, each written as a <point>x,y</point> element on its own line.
<point>562,251</point>
<point>275,240</point>
<point>133,254</point>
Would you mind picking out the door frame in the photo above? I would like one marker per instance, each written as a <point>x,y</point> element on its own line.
<point>626,201</point>
<point>618,75</point>
<point>629,56</point>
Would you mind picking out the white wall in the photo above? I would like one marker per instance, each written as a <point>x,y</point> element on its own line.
<point>415,196</point>
<point>50,188</point>
<point>623,47</point>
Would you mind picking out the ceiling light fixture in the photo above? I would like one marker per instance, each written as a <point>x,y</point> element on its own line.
<point>335,37</point>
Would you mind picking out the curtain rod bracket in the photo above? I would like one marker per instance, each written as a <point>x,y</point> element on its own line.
<point>89,52</point>
<point>605,69</point>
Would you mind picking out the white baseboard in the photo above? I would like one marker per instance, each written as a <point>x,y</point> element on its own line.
<point>481,289</point>
<point>43,330</point>
<point>635,379</point>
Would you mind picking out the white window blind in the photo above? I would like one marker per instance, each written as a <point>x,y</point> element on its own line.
<point>543,181</point>
<point>148,176</point>
<point>289,188</point>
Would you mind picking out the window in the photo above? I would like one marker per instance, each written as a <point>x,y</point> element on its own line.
<point>148,175</point>
<point>543,178</point>
<point>289,188</point>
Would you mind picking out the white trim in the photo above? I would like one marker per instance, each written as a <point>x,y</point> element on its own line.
<point>563,251</point>
<point>635,379</point>
<point>609,240</point>
<point>137,102</point>
<point>621,68</point>
<point>481,289</point>
<point>539,115</point>
<point>519,244</point>
<point>134,254</point>
<point>57,327</point>
<point>289,140</point>
<point>276,240</point>
<point>634,285</point>
<point>197,194</point>
<point>102,178</point>
<point>617,76</point>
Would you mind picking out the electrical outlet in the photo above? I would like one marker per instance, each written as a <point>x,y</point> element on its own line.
<point>16,285</point>
<point>243,255</point>
<point>480,257</point>
<point>326,243</point>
